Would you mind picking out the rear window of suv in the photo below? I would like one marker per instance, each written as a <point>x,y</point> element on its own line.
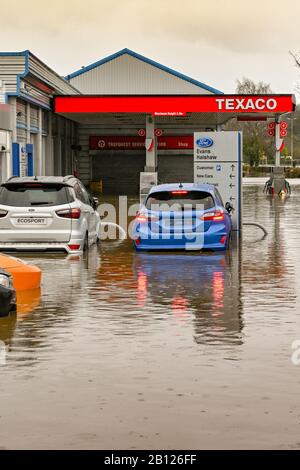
<point>179,200</point>
<point>35,195</point>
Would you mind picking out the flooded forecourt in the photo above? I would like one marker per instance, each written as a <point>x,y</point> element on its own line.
<point>159,350</point>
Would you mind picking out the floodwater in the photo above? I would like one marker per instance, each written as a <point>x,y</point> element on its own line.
<point>129,351</point>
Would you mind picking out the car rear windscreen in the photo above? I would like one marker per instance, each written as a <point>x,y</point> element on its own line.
<point>180,200</point>
<point>35,195</point>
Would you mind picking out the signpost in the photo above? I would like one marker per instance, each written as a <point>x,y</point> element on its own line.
<point>218,161</point>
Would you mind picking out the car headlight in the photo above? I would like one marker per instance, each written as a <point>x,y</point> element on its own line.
<point>4,281</point>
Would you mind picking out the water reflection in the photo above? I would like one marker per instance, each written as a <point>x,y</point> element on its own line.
<point>203,287</point>
<point>268,273</point>
<point>27,302</point>
<point>139,289</point>
<point>7,329</point>
<point>43,314</point>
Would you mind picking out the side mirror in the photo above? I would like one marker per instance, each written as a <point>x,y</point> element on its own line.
<point>95,203</point>
<point>228,207</point>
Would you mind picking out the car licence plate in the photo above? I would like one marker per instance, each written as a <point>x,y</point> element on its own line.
<point>179,223</point>
<point>31,221</point>
<point>183,222</point>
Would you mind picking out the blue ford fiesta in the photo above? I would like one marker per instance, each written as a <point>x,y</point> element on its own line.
<point>182,217</point>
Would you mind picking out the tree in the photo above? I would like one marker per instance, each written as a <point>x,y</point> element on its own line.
<point>296,57</point>
<point>249,87</point>
<point>256,141</point>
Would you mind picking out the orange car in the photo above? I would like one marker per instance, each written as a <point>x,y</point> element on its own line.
<point>24,276</point>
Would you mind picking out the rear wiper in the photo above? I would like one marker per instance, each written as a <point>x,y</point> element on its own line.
<point>39,204</point>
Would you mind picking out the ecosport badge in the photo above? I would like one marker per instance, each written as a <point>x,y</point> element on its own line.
<point>205,142</point>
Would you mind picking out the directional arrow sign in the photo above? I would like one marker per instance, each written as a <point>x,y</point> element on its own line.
<point>218,161</point>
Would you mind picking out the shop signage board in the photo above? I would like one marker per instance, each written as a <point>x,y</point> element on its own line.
<point>218,161</point>
<point>123,142</point>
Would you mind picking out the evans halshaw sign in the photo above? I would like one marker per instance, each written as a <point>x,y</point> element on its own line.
<point>218,161</point>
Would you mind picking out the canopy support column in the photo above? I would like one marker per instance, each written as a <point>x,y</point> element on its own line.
<point>151,147</point>
<point>277,141</point>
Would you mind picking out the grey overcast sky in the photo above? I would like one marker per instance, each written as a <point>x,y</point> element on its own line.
<point>215,41</point>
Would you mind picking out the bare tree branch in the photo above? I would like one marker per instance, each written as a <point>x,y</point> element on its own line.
<point>296,58</point>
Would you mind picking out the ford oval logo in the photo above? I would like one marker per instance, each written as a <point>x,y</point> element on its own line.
<point>204,142</point>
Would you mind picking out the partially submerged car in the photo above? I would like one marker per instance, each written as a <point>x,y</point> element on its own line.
<point>183,217</point>
<point>47,213</point>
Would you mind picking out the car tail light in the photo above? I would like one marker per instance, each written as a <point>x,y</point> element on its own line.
<point>3,213</point>
<point>179,192</point>
<point>141,218</point>
<point>215,216</point>
<point>145,218</point>
<point>74,247</point>
<point>138,241</point>
<point>69,213</point>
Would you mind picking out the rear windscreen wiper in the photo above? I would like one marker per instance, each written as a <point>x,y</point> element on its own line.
<point>41,203</point>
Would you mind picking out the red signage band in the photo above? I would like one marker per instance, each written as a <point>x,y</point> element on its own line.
<point>175,105</point>
<point>123,142</point>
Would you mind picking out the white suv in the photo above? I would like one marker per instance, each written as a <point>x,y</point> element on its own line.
<point>47,213</point>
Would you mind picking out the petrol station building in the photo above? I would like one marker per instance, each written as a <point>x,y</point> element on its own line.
<point>113,120</point>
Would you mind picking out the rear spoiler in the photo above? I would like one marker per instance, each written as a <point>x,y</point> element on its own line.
<point>33,184</point>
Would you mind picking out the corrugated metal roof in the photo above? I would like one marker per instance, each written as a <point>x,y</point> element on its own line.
<point>147,61</point>
<point>42,71</point>
<point>17,67</point>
